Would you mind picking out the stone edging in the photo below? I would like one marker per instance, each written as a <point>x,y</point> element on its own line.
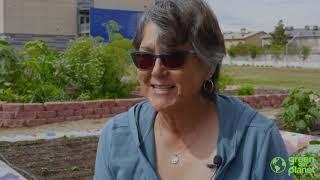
<point>14,115</point>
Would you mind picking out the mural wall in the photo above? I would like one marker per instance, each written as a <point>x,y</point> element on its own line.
<point>126,19</point>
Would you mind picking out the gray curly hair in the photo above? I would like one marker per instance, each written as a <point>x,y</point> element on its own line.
<point>187,21</point>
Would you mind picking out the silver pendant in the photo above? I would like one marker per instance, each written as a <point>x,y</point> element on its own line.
<point>174,159</point>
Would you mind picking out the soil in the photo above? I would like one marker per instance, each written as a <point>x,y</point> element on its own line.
<point>62,158</point>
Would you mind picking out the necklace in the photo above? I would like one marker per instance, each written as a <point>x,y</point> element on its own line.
<point>175,157</point>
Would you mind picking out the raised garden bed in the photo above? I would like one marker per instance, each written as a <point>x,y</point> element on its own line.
<point>63,158</point>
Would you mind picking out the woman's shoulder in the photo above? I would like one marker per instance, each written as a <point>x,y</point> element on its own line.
<point>244,113</point>
<point>128,122</point>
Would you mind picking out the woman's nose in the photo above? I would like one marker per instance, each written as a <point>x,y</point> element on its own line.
<point>159,69</point>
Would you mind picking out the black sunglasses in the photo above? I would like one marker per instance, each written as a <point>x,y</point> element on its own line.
<point>173,60</point>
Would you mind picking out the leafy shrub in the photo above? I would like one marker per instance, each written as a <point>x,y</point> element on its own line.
<point>10,95</point>
<point>276,51</point>
<point>88,67</point>
<point>9,66</point>
<point>232,52</point>
<point>39,72</point>
<point>245,90</point>
<point>224,80</point>
<point>48,92</point>
<point>243,49</point>
<point>300,111</point>
<point>303,152</point>
<point>305,52</point>
<point>96,69</point>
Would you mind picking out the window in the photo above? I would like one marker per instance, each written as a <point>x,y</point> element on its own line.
<point>84,23</point>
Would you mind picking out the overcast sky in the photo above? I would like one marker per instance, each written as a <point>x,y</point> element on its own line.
<point>256,15</point>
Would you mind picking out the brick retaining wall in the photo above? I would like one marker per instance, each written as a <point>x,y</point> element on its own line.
<point>33,114</point>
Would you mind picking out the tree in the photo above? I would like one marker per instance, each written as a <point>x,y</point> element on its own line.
<point>305,52</point>
<point>278,36</point>
<point>113,30</point>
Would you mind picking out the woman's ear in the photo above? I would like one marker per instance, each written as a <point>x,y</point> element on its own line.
<point>211,72</point>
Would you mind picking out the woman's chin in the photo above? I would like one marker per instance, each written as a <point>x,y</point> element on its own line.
<point>160,104</point>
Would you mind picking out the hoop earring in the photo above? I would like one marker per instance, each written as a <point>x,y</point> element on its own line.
<point>208,86</point>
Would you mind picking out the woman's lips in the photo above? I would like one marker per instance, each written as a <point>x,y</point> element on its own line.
<point>162,89</point>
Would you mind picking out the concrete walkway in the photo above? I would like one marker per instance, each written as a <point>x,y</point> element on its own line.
<point>7,173</point>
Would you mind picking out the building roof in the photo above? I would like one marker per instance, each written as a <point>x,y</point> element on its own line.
<point>266,36</point>
<point>303,32</point>
<point>240,35</point>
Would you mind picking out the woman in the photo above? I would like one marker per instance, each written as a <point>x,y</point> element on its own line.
<point>183,124</point>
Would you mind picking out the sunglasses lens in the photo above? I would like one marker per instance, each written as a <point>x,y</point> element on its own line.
<point>174,60</point>
<point>143,60</point>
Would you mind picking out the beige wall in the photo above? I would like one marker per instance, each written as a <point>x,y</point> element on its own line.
<point>135,5</point>
<point>229,43</point>
<point>255,39</point>
<point>1,16</point>
<point>57,17</point>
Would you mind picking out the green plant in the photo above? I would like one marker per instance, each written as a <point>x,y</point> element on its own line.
<point>44,171</point>
<point>48,92</point>
<point>300,111</point>
<point>305,52</point>
<point>254,51</point>
<point>314,163</point>
<point>88,69</point>
<point>278,37</point>
<point>232,52</point>
<point>224,80</point>
<point>96,69</point>
<point>9,95</point>
<point>276,51</point>
<point>74,168</point>
<point>245,90</point>
<point>39,78</point>
<point>243,49</point>
<point>10,65</point>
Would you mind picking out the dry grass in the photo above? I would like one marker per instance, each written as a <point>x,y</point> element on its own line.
<point>270,77</point>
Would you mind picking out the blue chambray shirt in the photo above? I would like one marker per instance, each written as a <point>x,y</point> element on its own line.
<point>247,143</point>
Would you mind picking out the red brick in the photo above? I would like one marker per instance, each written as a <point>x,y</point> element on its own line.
<point>1,103</point>
<point>46,114</point>
<point>283,96</point>
<point>92,104</point>
<point>102,111</point>
<point>137,100</point>
<point>118,109</point>
<point>84,112</point>
<point>74,118</point>
<point>272,97</point>
<point>2,122</point>
<point>6,115</point>
<point>13,123</point>
<point>55,120</point>
<point>36,122</point>
<point>93,116</point>
<point>65,113</point>
<point>33,107</point>
<point>266,103</point>
<point>55,106</point>
<point>107,103</point>
<point>75,105</point>
<point>12,107</point>
<point>107,115</point>
<point>124,102</point>
<point>25,115</point>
